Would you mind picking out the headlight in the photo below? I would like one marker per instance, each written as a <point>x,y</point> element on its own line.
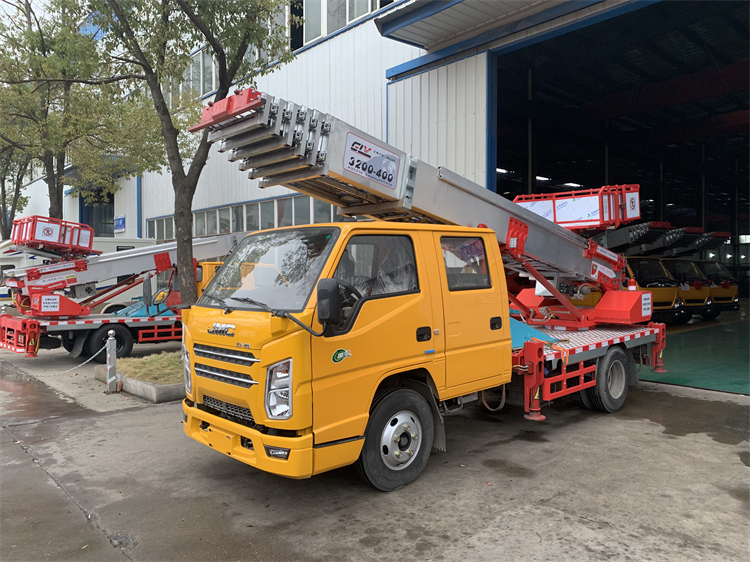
<point>186,368</point>
<point>736,298</point>
<point>678,302</point>
<point>709,301</point>
<point>279,390</point>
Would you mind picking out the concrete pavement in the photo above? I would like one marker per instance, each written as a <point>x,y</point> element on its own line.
<point>667,478</point>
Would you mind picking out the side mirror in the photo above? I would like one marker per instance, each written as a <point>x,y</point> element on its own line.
<point>329,302</point>
<point>162,295</point>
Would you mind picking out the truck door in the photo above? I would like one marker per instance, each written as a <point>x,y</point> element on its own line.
<point>388,329</point>
<point>477,342</point>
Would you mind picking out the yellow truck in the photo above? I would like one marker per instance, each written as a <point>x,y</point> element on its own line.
<point>320,346</point>
<point>694,289</point>
<point>724,288</point>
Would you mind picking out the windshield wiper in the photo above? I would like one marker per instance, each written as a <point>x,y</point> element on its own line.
<point>279,314</point>
<point>225,306</point>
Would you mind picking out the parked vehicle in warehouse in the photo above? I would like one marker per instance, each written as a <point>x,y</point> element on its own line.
<point>366,334</point>
<point>694,290</point>
<point>724,287</point>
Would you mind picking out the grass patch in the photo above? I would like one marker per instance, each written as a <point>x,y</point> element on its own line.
<point>160,368</point>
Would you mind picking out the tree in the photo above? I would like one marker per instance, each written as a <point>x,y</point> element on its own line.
<point>56,108</point>
<point>153,41</point>
<point>14,164</point>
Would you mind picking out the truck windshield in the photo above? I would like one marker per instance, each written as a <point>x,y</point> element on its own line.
<point>685,271</point>
<point>715,271</point>
<point>278,268</point>
<point>650,272</point>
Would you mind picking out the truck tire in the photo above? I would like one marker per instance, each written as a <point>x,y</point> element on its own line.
<point>67,342</point>
<point>398,439</point>
<point>96,341</point>
<point>712,314</point>
<point>682,318</point>
<point>611,381</point>
<point>582,399</point>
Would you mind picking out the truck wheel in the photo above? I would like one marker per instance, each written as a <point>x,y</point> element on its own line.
<point>611,381</point>
<point>398,440</point>
<point>582,399</point>
<point>113,309</point>
<point>96,341</point>
<point>67,342</point>
<point>712,314</point>
<point>682,318</point>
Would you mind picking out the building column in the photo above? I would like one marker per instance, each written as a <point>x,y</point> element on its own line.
<point>660,194</point>
<point>530,172</point>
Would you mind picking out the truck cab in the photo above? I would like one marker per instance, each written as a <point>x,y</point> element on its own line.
<point>694,289</point>
<point>724,287</point>
<point>422,305</point>
<point>204,272</point>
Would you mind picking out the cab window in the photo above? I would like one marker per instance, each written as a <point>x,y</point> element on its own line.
<point>379,265</point>
<point>465,263</point>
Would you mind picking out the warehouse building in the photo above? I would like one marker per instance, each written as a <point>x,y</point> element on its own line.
<point>522,97</point>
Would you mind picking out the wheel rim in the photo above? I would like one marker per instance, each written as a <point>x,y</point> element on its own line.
<point>401,440</point>
<point>616,379</point>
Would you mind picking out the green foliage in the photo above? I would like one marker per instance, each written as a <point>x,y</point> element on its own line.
<point>59,104</point>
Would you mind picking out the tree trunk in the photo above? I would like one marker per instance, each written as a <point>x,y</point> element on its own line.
<point>4,228</point>
<point>183,218</point>
<point>55,194</point>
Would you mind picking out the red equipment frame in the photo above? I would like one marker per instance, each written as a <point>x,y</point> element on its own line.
<point>232,106</point>
<point>54,235</point>
<point>612,206</point>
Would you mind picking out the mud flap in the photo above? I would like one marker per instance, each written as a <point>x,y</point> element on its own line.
<point>632,370</point>
<point>439,441</point>
<point>78,345</point>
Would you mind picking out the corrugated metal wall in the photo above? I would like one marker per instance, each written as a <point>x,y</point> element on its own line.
<point>440,116</point>
<point>126,203</point>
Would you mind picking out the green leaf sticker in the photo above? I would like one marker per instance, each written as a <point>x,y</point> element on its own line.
<point>340,354</point>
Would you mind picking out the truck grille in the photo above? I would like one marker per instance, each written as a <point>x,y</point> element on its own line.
<point>695,301</point>
<point>233,356</point>
<point>230,410</point>
<point>723,299</point>
<point>222,375</point>
<point>662,303</point>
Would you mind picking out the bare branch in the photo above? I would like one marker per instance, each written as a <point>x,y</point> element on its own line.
<point>130,35</point>
<point>14,143</point>
<point>99,82</point>
<point>127,60</point>
<point>203,28</point>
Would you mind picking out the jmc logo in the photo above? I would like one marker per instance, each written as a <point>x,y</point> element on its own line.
<point>222,330</point>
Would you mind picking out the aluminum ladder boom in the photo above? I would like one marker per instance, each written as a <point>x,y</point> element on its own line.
<point>283,143</point>
<point>70,273</point>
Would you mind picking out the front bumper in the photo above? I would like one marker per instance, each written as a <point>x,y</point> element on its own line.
<point>226,437</point>
<point>666,315</point>
<point>727,306</point>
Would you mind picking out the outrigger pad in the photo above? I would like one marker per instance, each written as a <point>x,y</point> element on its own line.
<point>520,333</point>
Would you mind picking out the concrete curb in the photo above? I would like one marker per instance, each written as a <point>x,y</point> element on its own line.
<point>154,393</point>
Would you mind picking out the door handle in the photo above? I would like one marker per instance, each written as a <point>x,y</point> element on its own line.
<point>424,333</point>
<point>496,322</point>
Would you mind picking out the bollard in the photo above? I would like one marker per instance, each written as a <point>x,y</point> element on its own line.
<point>111,362</point>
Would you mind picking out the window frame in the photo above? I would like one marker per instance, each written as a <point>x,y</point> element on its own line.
<point>354,314</point>
<point>489,286</point>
